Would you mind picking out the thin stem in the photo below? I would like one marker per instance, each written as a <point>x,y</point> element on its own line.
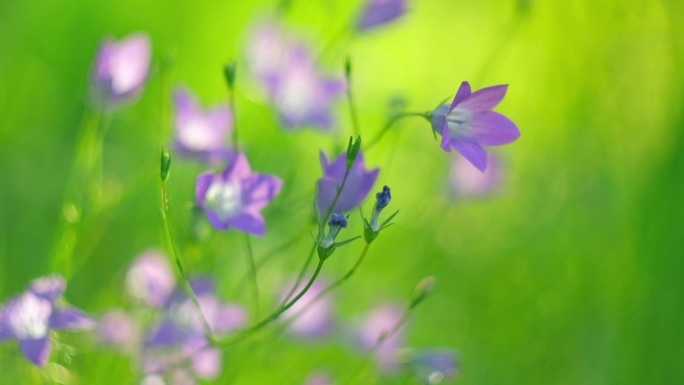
<point>391,122</point>
<point>335,284</point>
<point>352,112</point>
<point>172,247</point>
<point>382,338</point>
<point>252,329</point>
<point>301,274</point>
<point>253,274</point>
<point>233,114</point>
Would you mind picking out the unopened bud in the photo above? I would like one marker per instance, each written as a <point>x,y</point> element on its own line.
<point>165,166</point>
<point>422,290</point>
<point>229,74</point>
<point>353,150</point>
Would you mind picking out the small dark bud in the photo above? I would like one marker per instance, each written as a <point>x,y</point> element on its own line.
<point>353,150</point>
<point>229,74</point>
<point>165,166</point>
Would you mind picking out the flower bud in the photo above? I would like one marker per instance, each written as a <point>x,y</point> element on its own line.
<point>165,167</point>
<point>352,150</point>
<point>422,290</point>
<point>229,74</point>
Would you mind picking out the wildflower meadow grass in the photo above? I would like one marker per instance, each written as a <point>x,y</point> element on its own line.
<point>319,193</point>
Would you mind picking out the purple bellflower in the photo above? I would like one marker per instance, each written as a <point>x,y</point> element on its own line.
<point>201,133</point>
<point>302,95</point>
<point>379,12</point>
<point>307,319</point>
<point>268,51</point>
<point>121,69</point>
<point>150,279</point>
<point>356,189</point>
<point>30,316</point>
<point>234,198</point>
<point>377,323</point>
<point>466,180</point>
<point>469,123</point>
<point>182,365</point>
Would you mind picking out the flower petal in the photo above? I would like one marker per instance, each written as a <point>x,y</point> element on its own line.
<point>260,189</point>
<point>184,104</point>
<point>168,333</point>
<point>49,287</point>
<point>70,318</point>
<point>238,168</point>
<point>484,99</point>
<point>493,129</point>
<point>249,222</point>
<point>471,151</point>
<point>206,363</point>
<point>36,350</point>
<point>204,181</point>
<point>461,95</point>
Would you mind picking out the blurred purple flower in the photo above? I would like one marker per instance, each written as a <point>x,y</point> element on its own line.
<point>234,198</point>
<point>117,329</point>
<point>307,319</point>
<point>121,68</point>
<point>302,95</point>
<point>201,133</point>
<point>379,12</point>
<point>466,180</point>
<point>469,123</point>
<point>182,323</point>
<point>432,366</point>
<point>30,316</point>
<point>183,364</point>
<point>150,278</point>
<point>376,324</point>
<point>356,189</point>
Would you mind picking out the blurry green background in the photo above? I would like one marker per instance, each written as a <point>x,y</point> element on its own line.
<point>573,273</point>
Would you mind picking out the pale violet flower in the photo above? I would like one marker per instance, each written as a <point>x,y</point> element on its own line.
<point>380,321</point>
<point>235,198</point>
<point>29,317</point>
<point>465,180</point>
<point>150,278</point>
<point>379,12</point>
<point>121,68</point>
<point>469,123</point>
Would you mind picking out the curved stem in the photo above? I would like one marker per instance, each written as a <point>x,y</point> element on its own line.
<point>246,333</point>
<point>391,122</point>
<point>172,247</point>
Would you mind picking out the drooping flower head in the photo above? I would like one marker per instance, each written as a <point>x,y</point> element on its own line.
<point>234,198</point>
<point>30,316</point>
<point>469,123</point>
<point>201,133</point>
<point>121,68</point>
<point>379,12</point>
<point>306,318</point>
<point>466,180</point>
<point>380,322</point>
<point>359,183</point>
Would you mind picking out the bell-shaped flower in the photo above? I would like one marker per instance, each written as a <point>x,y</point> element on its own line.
<point>235,198</point>
<point>200,133</point>
<point>121,69</point>
<point>379,12</point>
<point>469,123</point>
<point>150,279</point>
<point>29,317</point>
<point>359,183</point>
<point>302,94</point>
<point>374,333</point>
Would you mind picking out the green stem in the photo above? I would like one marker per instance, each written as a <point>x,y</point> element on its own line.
<point>253,274</point>
<point>352,112</point>
<point>254,328</point>
<point>391,122</point>
<point>233,114</point>
<point>184,277</point>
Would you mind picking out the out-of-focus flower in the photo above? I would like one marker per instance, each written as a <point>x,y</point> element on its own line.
<point>300,92</point>
<point>234,198</point>
<point>466,180</point>
<point>30,316</point>
<point>121,68</point>
<point>432,366</point>
<point>469,123</point>
<point>201,133</point>
<point>178,347</point>
<point>118,330</point>
<point>150,278</point>
<point>302,95</point>
<point>379,12</point>
<point>182,322</point>
<point>356,189</point>
<point>310,319</point>
<point>318,378</point>
<point>379,323</point>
